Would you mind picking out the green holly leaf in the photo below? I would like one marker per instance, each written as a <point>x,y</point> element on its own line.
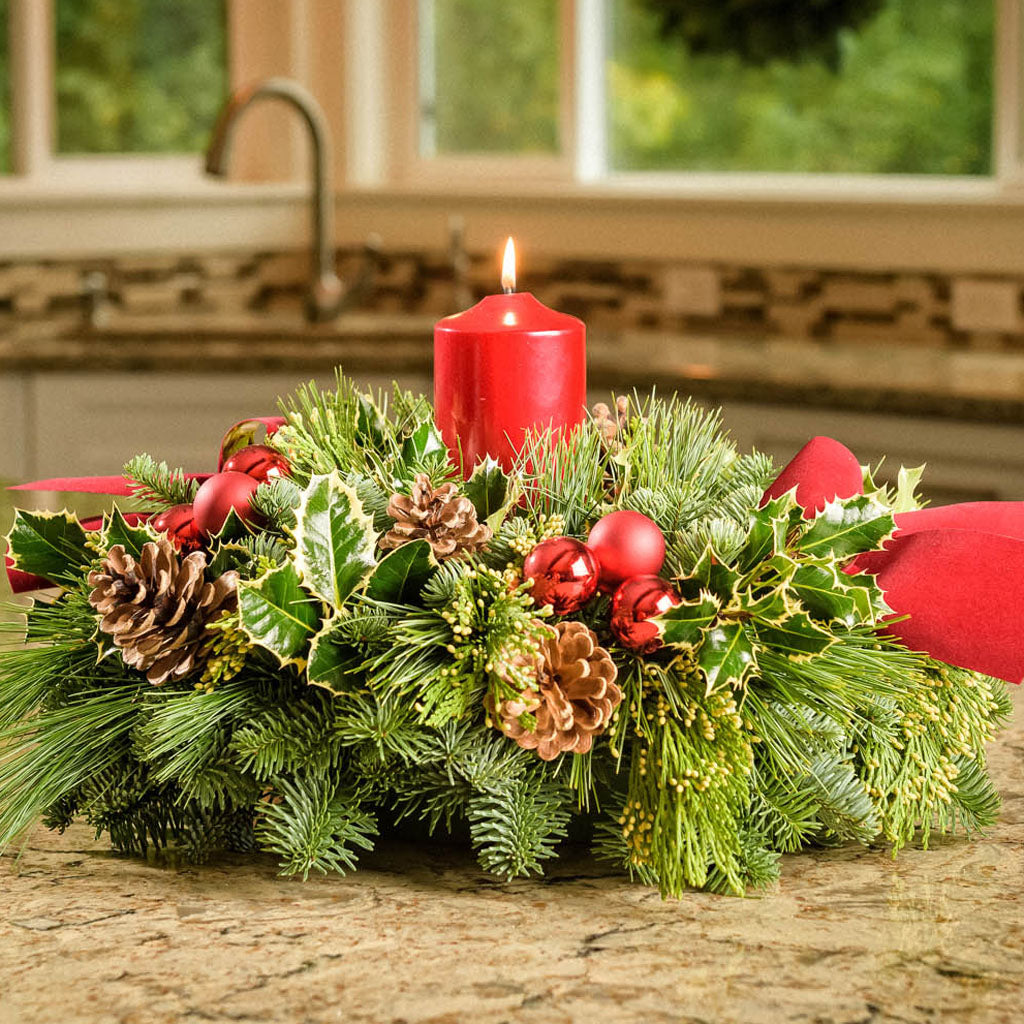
<point>768,530</point>
<point>848,527</point>
<point>331,664</point>
<point>48,544</point>
<point>825,595</point>
<point>798,637</point>
<point>488,489</point>
<point>424,441</point>
<point>334,540</point>
<point>277,614</point>
<point>117,530</point>
<point>400,575</point>
<point>769,604</point>
<point>727,656</point>
<point>684,625</point>
<point>710,574</point>
<point>870,601</point>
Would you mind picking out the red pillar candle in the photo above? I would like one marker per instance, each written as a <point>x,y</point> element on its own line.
<point>507,364</point>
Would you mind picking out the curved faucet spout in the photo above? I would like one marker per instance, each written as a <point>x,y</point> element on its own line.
<point>326,292</point>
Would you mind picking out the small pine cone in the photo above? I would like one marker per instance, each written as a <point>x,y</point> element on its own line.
<point>157,609</point>
<point>574,697</point>
<point>610,423</point>
<point>441,516</point>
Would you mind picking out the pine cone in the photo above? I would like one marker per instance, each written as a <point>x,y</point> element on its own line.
<point>441,516</point>
<point>573,700</point>
<point>610,424</point>
<point>156,609</point>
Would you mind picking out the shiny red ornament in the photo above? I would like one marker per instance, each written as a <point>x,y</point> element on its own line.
<point>636,602</point>
<point>626,544</point>
<point>259,461</point>
<point>564,573</point>
<point>220,494</point>
<point>179,523</point>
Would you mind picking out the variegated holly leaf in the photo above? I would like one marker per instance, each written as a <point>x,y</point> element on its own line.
<point>825,595</point>
<point>488,489</point>
<point>334,540</point>
<point>768,530</point>
<point>48,544</point>
<point>400,575</point>
<point>684,624</point>
<point>117,530</point>
<point>277,614</point>
<point>798,637</point>
<point>423,442</point>
<point>848,527</point>
<point>332,665</point>
<point>727,656</point>
<point>871,604</point>
<point>710,574</point>
<point>767,604</point>
<point>906,489</point>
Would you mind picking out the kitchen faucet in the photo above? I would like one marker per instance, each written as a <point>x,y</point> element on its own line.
<point>326,294</point>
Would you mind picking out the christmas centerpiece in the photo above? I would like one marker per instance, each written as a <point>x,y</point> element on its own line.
<point>621,624</point>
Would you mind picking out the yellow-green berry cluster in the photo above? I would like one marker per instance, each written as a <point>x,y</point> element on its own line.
<point>224,652</point>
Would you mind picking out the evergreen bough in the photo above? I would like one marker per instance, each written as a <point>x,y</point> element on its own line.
<point>310,740</point>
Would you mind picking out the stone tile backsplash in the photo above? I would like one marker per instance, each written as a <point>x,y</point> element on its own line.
<point>712,299</point>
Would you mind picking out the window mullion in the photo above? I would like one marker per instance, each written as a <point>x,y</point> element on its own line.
<point>31,45</point>
<point>1008,120</point>
<point>591,134</point>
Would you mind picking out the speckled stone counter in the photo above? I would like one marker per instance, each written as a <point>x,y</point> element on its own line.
<point>421,936</point>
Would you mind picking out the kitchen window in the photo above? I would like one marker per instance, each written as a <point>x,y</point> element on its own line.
<point>874,87</point>
<point>138,76</point>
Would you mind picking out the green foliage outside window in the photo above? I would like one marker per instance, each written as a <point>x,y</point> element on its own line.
<point>911,94</point>
<point>138,76</point>
<point>496,76</point>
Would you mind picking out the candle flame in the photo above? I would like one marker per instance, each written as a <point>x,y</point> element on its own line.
<point>508,267</point>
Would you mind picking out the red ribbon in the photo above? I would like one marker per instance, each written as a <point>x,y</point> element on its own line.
<point>122,487</point>
<point>953,575</point>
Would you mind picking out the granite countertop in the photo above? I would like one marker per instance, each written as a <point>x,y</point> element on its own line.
<point>421,936</point>
<point>951,383</point>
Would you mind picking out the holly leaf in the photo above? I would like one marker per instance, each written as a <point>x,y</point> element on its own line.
<point>117,530</point>
<point>400,575</point>
<point>425,440</point>
<point>710,574</point>
<point>727,656</point>
<point>334,540</point>
<point>824,595</point>
<point>277,614</point>
<point>848,527</point>
<point>488,489</point>
<point>798,637</point>
<point>768,530</point>
<point>869,598</point>
<point>771,605</point>
<point>48,544</point>
<point>331,663</point>
<point>906,487</point>
<point>684,624</point>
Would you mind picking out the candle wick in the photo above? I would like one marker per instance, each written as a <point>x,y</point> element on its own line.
<point>508,290</point>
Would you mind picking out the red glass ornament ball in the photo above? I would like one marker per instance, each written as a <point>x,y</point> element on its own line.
<point>564,573</point>
<point>259,461</point>
<point>627,544</point>
<point>179,523</point>
<point>636,601</point>
<point>220,494</point>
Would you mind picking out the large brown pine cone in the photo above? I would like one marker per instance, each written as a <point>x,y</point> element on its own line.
<point>156,609</point>
<point>574,697</point>
<point>441,516</point>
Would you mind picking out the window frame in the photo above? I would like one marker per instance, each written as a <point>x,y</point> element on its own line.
<point>357,57</point>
